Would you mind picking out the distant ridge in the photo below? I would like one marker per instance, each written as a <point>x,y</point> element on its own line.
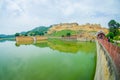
<point>76,27</point>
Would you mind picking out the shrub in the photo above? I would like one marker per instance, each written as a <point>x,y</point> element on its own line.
<point>116,38</point>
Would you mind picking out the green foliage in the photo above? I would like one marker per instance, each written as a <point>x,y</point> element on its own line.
<point>110,34</point>
<point>46,32</point>
<point>42,30</point>
<point>114,27</point>
<point>68,34</point>
<point>113,24</point>
<point>111,40</point>
<point>62,36</point>
<point>63,32</point>
<point>113,30</point>
<point>25,34</point>
<point>17,45</point>
<point>119,45</point>
<point>17,34</point>
<point>41,34</point>
<point>116,38</point>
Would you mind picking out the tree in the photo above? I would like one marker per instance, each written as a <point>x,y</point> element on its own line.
<point>25,35</point>
<point>45,32</point>
<point>17,45</point>
<point>41,34</point>
<point>68,34</point>
<point>36,33</point>
<point>110,35</point>
<point>114,27</point>
<point>62,36</point>
<point>17,34</point>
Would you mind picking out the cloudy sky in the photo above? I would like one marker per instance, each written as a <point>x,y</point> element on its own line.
<point>23,15</point>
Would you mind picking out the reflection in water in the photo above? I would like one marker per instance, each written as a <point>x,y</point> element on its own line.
<point>47,60</point>
<point>62,46</point>
<point>6,39</point>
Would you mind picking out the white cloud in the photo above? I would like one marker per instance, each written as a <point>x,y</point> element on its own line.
<point>20,15</point>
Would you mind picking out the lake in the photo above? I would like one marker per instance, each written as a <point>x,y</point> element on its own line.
<point>47,60</point>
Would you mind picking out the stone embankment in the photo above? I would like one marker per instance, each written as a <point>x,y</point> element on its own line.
<point>30,38</point>
<point>105,68</point>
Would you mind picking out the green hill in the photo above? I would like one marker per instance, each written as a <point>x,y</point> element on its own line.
<point>38,31</point>
<point>41,30</point>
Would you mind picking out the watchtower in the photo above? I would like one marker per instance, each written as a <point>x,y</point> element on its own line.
<point>100,35</point>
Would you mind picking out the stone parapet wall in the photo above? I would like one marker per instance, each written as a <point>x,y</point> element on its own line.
<point>105,68</point>
<point>30,38</point>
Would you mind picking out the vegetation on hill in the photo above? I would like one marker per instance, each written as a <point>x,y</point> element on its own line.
<point>42,30</point>
<point>63,33</point>
<point>87,31</point>
<point>38,31</point>
<point>76,27</point>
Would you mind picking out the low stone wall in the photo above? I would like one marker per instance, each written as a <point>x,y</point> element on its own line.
<point>105,68</point>
<point>30,38</point>
<point>24,38</point>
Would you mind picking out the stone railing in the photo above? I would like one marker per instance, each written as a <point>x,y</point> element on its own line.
<point>114,52</point>
<point>106,68</point>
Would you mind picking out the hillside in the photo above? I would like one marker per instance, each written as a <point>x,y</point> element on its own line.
<point>6,36</point>
<point>58,30</point>
<point>62,33</point>
<point>85,31</point>
<point>41,30</point>
<point>76,27</point>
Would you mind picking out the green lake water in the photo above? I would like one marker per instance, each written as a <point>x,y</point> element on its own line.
<point>47,60</point>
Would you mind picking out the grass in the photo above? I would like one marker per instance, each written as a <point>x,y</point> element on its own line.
<point>63,32</point>
<point>119,44</point>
